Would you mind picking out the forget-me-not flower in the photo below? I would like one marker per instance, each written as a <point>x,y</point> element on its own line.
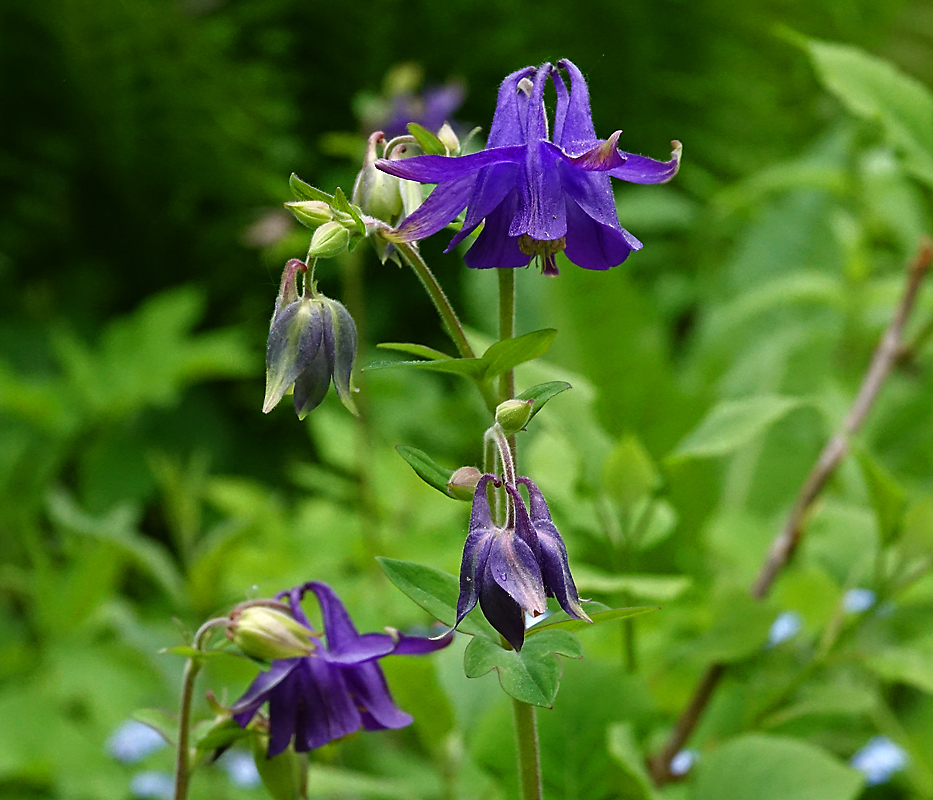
<point>538,193</point>
<point>879,759</point>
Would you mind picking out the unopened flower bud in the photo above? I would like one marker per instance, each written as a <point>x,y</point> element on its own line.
<point>513,415</point>
<point>375,192</point>
<point>463,482</point>
<point>268,634</point>
<point>311,213</point>
<point>283,775</point>
<point>449,139</point>
<point>330,240</point>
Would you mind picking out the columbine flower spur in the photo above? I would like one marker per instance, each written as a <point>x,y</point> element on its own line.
<point>537,195</point>
<point>511,570</point>
<point>334,690</point>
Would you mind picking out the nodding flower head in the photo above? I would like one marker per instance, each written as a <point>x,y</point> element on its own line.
<point>511,570</point>
<point>336,688</point>
<point>312,341</point>
<point>538,193</point>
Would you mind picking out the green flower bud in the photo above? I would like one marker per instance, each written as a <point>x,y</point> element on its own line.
<point>513,415</point>
<point>311,213</point>
<point>449,139</point>
<point>330,240</point>
<point>376,192</point>
<point>268,634</point>
<point>284,775</point>
<point>462,483</point>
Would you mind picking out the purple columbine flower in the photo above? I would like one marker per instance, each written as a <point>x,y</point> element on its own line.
<point>337,689</point>
<point>539,195</point>
<point>513,569</point>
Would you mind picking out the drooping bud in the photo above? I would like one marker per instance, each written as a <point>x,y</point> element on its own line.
<point>462,483</point>
<point>330,240</point>
<point>311,213</point>
<point>284,775</point>
<point>268,634</point>
<point>375,192</point>
<point>513,415</point>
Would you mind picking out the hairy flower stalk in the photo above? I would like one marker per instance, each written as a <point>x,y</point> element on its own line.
<point>536,194</point>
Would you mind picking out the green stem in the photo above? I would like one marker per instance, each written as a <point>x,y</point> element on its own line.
<point>529,761</point>
<point>192,668</point>
<point>448,316</point>
<point>506,326</point>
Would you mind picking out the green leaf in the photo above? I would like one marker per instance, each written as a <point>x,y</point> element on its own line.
<point>531,674</point>
<point>659,588</point>
<point>342,204</point>
<point>560,620</point>
<point>415,350</point>
<point>637,783</point>
<point>431,473</point>
<point>835,699</point>
<point>165,724</point>
<point>436,592</point>
<point>542,393</point>
<point>340,784</point>
<point>473,368</point>
<point>733,423</point>
<point>740,628</point>
<point>874,89</point>
<point>888,497</point>
<point>221,732</point>
<point>305,191</point>
<point>912,664</point>
<point>629,473</point>
<point>509,353</point>
<point>759,767</point>
<point>431,145</point>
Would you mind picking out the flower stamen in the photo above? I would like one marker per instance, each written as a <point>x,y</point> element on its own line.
<point>543,251</point>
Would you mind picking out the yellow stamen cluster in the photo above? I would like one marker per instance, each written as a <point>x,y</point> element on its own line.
<point>543,251</point>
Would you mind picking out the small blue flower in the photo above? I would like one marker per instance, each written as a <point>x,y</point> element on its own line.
<point>337,689</point>
<point>511,570</point>
<point>879,759</point>
<point>537,194</point>
<point>786,626</point>
<point>152,785</point>
<point>240,767</point>
<point>683,762</point>
<point>855,601</point>
<point>133,741</point>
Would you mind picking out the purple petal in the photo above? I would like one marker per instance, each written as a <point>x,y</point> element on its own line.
<point>503,613</point>
<point>592,191</point>
<point>363,648</point>
<point>494,247</point>
<point>593,245</point>
<point>641,169</point>
<point>440,169</point>
<point>475,550</point>
<point>338,627</point>
<point>513,565</point>
<point>563,103</point>
<point>524,528</point>
<point>541,211</point>
<point>574,131</point>
<point>554,562</point>
<point>285,707</point>
<point>344,338</point>
<point>294,340</point>
<point>295,596</point>
<point>258,691</point>
<point>324,708</point>
<point>536,125</point>
<point>312,384</point>
<point>492,186</point>
<point>441,207</point>
<point>507,128</point>
<point>419,645</point>
<point>601,157</point>
<point>368,686</point>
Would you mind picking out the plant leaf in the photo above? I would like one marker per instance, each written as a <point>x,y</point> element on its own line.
<point>503,356</point>
<point>425,468</point>
<point>415,350</point>
<point>305,191</point>
<point>560,620</point>
<point>431,145</point>
<point>473,368</point>
<point>625,752</point>
<point>541,393</point>
<point>531,674</point>
<point>888,497</point>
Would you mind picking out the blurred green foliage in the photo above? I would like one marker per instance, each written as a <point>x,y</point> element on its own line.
<point>143,159</point>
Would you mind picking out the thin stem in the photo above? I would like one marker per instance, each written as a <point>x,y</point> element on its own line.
<point>887,354</point>
<point>504,447</point>
<point>449,317</point>
<point>192,668</point>
<point>529,760</point>
<point>506,326</point>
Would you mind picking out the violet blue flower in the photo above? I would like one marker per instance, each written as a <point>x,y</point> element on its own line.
<point>511,570</point>
<point>337,689</point>
<point>538,195</point>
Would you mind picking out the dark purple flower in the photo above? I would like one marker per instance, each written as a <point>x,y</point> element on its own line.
<point>513,569</point>
<point>538,195</point>
<point>337,689</point>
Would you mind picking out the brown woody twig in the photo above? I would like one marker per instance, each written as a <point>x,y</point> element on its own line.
<point>890,350</point>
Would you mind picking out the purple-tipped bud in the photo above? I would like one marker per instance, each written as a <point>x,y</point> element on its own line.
<point>462,483</point>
